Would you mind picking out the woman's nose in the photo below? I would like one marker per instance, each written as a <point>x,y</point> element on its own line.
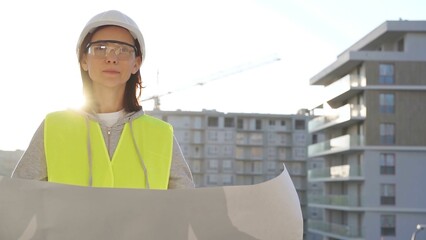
<point>111,57</point>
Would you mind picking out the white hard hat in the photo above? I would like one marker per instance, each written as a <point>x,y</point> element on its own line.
<point>116,18</point>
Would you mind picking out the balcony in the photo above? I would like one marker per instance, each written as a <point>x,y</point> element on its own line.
<point>335,173</point>
<point>334,200</point>
<point>334,230</point>
<point>343,89</point>
<point>249,139</point>
<point>246,156</point>
<point>343,116</point>
<point>336,145</point>
<point>248,172</point>
<point>298,172</point>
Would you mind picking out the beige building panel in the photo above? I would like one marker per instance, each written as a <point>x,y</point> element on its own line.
<point>406,73</point>
<point>409,116</point>
<point>410,73</point>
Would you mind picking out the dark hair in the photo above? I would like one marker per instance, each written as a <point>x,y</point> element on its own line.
<point>133,89</point>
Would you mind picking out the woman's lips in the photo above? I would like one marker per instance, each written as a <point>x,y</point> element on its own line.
<point>111,71</point>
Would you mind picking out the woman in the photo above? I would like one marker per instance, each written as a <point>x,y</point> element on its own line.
<point>110,142</point>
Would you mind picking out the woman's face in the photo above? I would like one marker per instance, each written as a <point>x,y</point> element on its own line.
<point>110,59</point>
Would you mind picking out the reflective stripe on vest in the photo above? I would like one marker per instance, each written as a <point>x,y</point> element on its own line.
<point>66,149</point>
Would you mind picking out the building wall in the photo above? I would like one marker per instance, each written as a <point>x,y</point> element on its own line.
<point>241,148</point>
<point>380,193</point>
<point>409,116</point>
<point>409,190</point>
<point>405,225</point>
<point>415,43</point>
<point>406,73</point>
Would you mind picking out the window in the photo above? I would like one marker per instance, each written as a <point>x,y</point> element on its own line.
<point>212,150</point>
<point>386,74</point>
<point>229,136</point>
<point>227,164</point>
<point>314,138</point>
<point>387,224</point>
<point>256,138</point>
<point>212,136</point>
<point>228,151</point>
<point>186,136</point>
<point>387,133</point>
<point>253,167</point>
<point>299,139</point>
<point>197,122</point>
<point>213,121</point>
<point>299,153</point>
<point>296,168</point>
<point>387,164</point>
<point>272,152</point>
<point>282,122</point>
<point>241,138</point>
<point>227,179</point>
<point>229,122</point>
<point>271,138</point>
<point>387,194</point>
<point>196,166</point>
<point>239,153</point>
<point>387,102</point>
<point>196,153</point>
<point>282,154</point>
<point>212,179</point>
<point>400,45</point>
<point>240,124</point>
<point>213,164</point>
<point>258,124</point>
<point>197,137</point>
<point>271,122</point>
<point>271,165</point>
<point>300,125</point>
<point>256,153</point>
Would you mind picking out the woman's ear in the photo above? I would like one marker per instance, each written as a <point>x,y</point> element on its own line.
<point>137,65</point>
<point>83,63</point>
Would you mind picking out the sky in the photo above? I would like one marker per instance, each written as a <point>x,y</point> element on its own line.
<point>187,42</point>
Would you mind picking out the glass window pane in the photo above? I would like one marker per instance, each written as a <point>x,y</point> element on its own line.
<point>386,74</point>
<point>387,102</point>
<point>387,133</point>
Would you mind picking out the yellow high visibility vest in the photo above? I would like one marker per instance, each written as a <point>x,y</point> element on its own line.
<point>67,152</point>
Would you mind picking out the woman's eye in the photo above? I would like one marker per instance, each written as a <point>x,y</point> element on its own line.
<point>100,48</point>
<point>125,50</point>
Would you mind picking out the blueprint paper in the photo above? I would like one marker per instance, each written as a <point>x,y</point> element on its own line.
<point>47,211</point>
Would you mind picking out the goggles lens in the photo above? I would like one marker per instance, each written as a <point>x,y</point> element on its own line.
<point>102,49</point>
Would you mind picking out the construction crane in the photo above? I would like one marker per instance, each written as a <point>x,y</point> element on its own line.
<point>213,77</point>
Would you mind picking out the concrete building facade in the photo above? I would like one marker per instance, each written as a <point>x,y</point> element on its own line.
<point>370,134</point>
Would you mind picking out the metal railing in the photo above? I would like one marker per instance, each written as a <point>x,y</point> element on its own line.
<point>333,228</point>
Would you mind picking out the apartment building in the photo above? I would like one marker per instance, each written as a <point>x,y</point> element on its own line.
<point>371,137</point>
<point>242,148</point>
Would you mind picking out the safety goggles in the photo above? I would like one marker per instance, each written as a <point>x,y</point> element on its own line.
<point>103,48</point>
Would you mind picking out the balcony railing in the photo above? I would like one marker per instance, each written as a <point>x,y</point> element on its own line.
<point>337,116</point>
<point>339,144</point>
<point>336,229</point>
<point>344,85</point>
<point>248,172</point>
<point>342,172</point>
<point>339,200</point>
